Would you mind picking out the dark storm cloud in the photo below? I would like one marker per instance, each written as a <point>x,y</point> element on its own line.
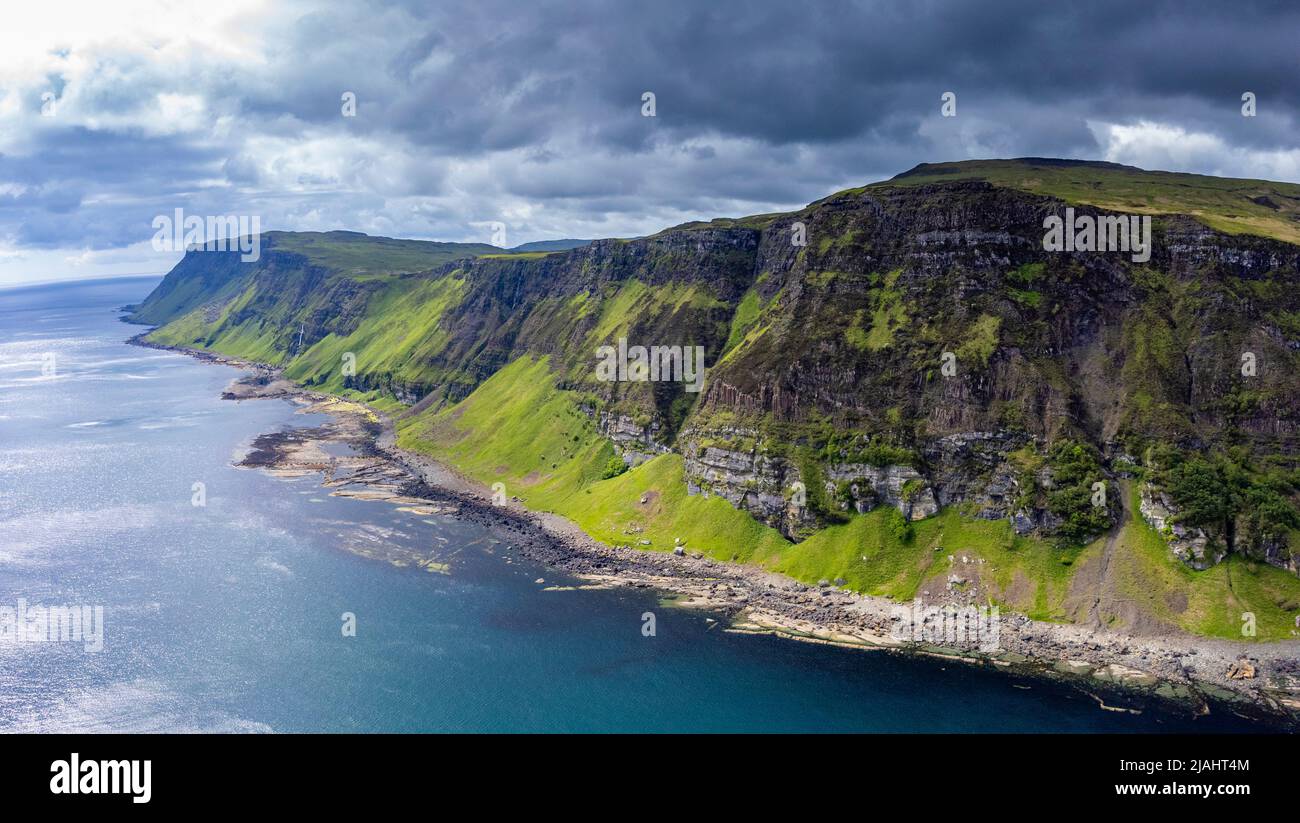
<point>531,112</point>
<point>831,71</point>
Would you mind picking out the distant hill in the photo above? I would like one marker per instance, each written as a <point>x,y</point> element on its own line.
<point>551,245</point>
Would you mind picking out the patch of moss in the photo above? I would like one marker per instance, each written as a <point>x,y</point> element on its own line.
<point>981,341</point>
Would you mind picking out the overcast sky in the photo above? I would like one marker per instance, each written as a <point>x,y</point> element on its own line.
<point>529,113</point>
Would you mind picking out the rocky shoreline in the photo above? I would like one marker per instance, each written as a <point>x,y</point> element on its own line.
<point>1123,673</point>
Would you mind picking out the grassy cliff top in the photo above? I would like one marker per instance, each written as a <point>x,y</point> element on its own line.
<point>1233,206</point>
<point>354,253</point>
<point>357,254</point>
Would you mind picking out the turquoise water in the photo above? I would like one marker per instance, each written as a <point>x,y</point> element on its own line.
<point>227,617</point>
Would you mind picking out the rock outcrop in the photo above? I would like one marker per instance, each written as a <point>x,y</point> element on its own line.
<point>1190,545</point>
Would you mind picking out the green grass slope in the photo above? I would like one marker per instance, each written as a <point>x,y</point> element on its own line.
<point>212,328</point>
<point>397,337</point>
<point>1209,602</point>
<point>517,428</point>
<point>874,553</point>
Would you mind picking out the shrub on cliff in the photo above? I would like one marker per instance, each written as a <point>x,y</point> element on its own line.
<point>1075,468</point>
<point>1227,497</point>
<point>613,468</point>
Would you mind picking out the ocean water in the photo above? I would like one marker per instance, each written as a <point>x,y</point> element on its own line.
<point>228,616</point>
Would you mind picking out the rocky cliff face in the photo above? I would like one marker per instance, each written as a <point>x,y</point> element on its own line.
<point>920,350</point>
<point>896,284</point>
<point>1191,545</point>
